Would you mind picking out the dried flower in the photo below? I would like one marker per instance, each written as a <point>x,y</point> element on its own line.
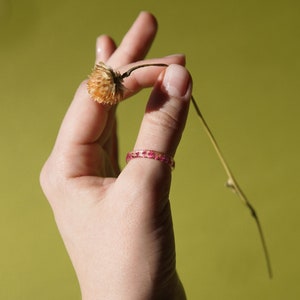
<point>105,85</point>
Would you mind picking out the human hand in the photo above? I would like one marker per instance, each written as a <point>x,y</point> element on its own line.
<point>118,230</point>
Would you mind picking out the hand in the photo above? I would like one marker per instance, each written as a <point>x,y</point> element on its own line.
<point>118,230</point>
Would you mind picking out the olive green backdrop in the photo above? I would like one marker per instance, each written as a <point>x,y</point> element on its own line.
<point>244,58</point>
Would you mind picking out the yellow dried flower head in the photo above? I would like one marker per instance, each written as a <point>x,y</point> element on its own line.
<point>105,85</point>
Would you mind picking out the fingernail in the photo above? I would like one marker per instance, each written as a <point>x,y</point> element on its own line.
<point>176,81</point>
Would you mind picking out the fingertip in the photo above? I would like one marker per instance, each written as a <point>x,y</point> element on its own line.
<point>105,47</point>
<point>149,17</point>
<point>177,82</point>
<point>179,57</point>
<point>174,82</point>
<point>149,23</point>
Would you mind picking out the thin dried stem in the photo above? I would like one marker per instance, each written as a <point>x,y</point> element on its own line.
<point>234,186</point>
<point>127,73</point>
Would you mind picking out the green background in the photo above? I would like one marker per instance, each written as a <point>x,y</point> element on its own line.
<point>244,59</point>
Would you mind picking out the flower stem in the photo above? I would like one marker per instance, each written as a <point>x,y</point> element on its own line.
<point>127,73</point>
<point>233,185</point>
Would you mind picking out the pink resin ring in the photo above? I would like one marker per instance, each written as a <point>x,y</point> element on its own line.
<point>167,159</point>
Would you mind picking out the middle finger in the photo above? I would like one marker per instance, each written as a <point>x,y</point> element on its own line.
<point>136,42</point>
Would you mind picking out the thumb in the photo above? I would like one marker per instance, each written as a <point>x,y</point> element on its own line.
<point>165,116</point>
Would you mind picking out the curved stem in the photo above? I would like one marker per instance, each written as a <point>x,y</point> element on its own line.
<point>127,73</point>
<point>232,184</point>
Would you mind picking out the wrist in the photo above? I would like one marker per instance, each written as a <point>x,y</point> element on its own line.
<point>172,291</point>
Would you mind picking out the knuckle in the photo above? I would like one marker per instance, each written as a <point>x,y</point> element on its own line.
<point>167,117</point>
<point>50,182</point>
<point>163,120</point>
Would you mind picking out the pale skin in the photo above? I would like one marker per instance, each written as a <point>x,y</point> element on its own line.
<point>117,225</point>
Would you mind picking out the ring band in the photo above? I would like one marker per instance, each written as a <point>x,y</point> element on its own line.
<point>152,154</point>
